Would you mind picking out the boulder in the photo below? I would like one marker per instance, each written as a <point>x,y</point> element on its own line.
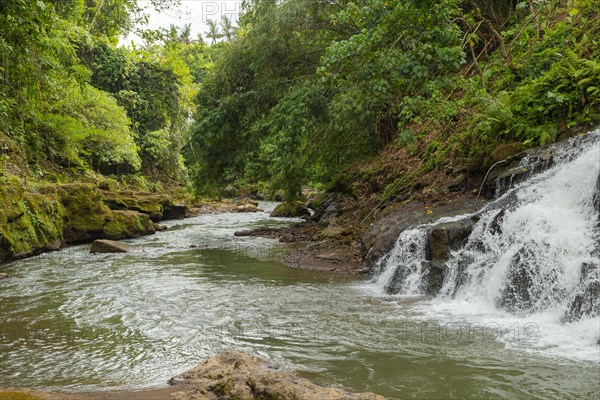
<point>446,237</point>
<point>381,237</point>
<point>127,224</point>
<point>295,209</point>
<point>109,246</point>
<point>247,200</point>
<point>241,376</point>
<point>175,211</point>
<point>246,208</point>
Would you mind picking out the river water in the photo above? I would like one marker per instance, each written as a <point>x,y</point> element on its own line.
<point>73,321</point>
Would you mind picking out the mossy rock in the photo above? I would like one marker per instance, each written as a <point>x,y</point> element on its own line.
<point>29,222</point>
<point>293,209</point>
<point>128,224</point>
<point>152,204</point>
<point>86,214</point>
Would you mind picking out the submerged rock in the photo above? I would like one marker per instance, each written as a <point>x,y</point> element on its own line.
<point>109,246</point>
<point>234,375</point>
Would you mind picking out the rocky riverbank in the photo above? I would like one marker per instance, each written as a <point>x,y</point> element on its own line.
<point>348,233</point>
<point>36,218</point>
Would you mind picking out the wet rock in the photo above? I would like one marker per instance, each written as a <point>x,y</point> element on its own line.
<point>293,209</point>
<point>152,204</point>
<point>587,301</point>
<point>3,275</point>
<point>109,246</point>
<point>246,208</point>
<point>127,224</point>
<point>243,376</point>
<point>263,232</point>
<point>447,237</point>
<point>596,199</point>
<point>517,295</point>
<point>326,208</point>
<point>381,237</point>
<point>175,211</point>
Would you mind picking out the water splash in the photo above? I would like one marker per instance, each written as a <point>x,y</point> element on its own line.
<point>534,251</point>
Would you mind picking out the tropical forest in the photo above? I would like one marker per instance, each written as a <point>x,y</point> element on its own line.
<point>299,199</point>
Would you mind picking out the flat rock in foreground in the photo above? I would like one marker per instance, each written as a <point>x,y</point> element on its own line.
<point>109,246</point>
<point>234,375</point>
<point>227,376</point>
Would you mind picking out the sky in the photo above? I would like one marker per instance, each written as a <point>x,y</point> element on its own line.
<point>194,12</point>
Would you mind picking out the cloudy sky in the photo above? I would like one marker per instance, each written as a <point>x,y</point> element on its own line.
<point>194,12</point>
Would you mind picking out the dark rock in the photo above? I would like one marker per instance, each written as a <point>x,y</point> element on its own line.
<point>587,301</point>
<point>381,237</point>
<point>496,223</point>
<point>326,208</point>
<point>175,211</point>
<point>505,151</point>
<point>446,237</point>
<point>109,246</point>
<point>441,240</point>
<point>519,293</point>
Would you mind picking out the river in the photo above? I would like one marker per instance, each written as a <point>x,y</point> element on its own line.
<point>73,321</point>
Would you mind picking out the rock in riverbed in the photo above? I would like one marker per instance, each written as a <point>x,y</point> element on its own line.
<point>109,246</point>
<point>234,375</point>
<point>296,209</point>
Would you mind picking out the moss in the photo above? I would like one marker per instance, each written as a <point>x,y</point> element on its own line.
<point>154,205</point>
<point>29,222</point>
<point>127,224</point>
<point>86,214</point>
<point>290,209</point>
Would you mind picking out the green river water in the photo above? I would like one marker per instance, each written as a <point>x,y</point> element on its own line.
<point>79,322</point>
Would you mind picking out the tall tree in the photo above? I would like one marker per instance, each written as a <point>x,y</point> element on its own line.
<point>213,32</point>
<point>228,28</point>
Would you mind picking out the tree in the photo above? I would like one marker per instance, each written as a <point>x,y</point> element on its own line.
<point>213,32</point>
<point>227,28</point>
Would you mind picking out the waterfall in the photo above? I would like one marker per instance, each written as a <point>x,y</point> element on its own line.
<point>534,249</point>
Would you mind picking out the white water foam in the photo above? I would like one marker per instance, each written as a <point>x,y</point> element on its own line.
<point>522,266</point>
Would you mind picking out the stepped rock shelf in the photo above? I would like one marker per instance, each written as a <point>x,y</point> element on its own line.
<point>47,217</point>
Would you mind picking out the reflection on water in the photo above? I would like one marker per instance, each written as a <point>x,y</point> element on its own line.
<point>77,321</point>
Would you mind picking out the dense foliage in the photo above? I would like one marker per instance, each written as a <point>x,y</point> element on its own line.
<point>72,102</point>
<point>308,88</point>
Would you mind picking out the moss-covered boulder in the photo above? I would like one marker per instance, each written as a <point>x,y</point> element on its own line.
<point>86,214</point>
<point>128,224</point>
<point>30,222</point>
<point>152,204</point>
<point>34,219</point>
<point>294,209</point>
